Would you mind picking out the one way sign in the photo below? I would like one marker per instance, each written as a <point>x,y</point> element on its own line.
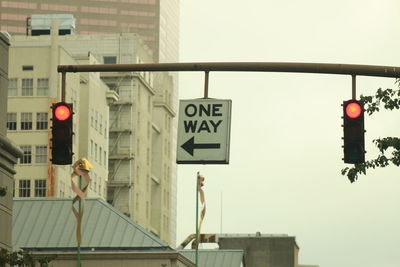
<point>204,131</point>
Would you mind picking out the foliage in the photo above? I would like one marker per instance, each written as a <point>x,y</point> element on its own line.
<point>390,99</point>
<point>22,258</point>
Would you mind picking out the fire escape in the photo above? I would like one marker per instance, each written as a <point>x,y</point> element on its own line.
<point>120,144</point>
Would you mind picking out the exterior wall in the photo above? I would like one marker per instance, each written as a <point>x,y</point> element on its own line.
<point>164,139</point>
<point>142,167</point>
<point>142,176</point>
<point>8,157</point>
<point>156,21</point>
<point>93,128</point>
<point>8,152</point>
<point>44,54</point>
<point>4,43</point>
<point>264,251</point>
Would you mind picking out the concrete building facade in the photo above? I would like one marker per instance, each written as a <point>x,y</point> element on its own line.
<point>132,148</point>
<point>8,152</point>
<point>264,250</point>
<point>34,85</point>
<point>155,21</point>
<point>142,176</point>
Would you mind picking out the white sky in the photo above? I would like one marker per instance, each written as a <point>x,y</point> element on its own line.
<point>284,173</point>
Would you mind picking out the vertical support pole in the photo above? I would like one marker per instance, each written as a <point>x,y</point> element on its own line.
<point>206,84</point>
<point>197,221</point>
<point>353,87</point>
<point>78,264</point>
<point>220,229</point>
<point>63,78</point>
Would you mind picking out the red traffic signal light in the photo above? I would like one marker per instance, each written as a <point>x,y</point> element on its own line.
<point>62,112</point>
<point>353,110</point>
<point>62,132</point>
<point>353,132</point>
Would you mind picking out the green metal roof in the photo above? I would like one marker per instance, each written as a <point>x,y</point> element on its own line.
<point>49,223</point>
<point>216,257</point>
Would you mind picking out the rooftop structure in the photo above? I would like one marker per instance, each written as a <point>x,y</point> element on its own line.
<point>216,257</point>
<point>46,227</point>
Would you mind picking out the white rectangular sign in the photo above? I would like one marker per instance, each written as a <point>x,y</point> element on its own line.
<point>204,131</point>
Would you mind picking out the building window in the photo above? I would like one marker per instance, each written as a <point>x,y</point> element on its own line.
<point>91,118</point>
<point>95,152</point>
<point>101,124</point>
<point>91,149</point>
<point>94,182</point>
<point>100,155</point>
<point>41,121</point>
<point>27,67</point>
<point>42,87</point>
<point>100,186</point>
<point>105,159</point>
<point>41,154</point>
<point>27,87</point>
<point>12,87</point>
<point>110,60</point>
<point>12,121</point>
<point>96,118</point>
<point>26,121</point>
<point>24,188</point>
<point>27,155</point>
<point>40,188</point>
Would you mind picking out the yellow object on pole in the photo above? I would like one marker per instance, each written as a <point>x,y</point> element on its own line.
<point>81,169</point>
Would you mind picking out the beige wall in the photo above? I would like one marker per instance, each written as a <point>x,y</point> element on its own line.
<point>142,184</point>
<point>8,152</point>
<point>4,43</point>
<point>44,54</point>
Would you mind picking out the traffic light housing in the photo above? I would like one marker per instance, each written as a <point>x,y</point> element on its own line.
<point>61,150</point>
<point>353,131</point>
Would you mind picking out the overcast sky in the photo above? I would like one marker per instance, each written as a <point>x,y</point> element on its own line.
<point>286,156</point>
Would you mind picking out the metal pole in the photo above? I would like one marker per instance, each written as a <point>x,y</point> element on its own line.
<point>221,216</point>
<point>206,84</point>
<point>63,78</point>
<point>79,244</point>
<point>326,68</point>
<point>197,221</point>
<point>353,87</point>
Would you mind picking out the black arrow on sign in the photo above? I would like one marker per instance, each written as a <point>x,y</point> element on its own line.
<point>189,146</point>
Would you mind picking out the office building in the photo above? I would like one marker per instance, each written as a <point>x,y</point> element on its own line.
<point>140,158</point>
<point>155,21</point>
<point>8,152</point>
<point>34,85</point>
<point>141,180</point>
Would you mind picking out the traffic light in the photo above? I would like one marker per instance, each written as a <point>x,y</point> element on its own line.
<point>353,129</point>
<point>61,150</point>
